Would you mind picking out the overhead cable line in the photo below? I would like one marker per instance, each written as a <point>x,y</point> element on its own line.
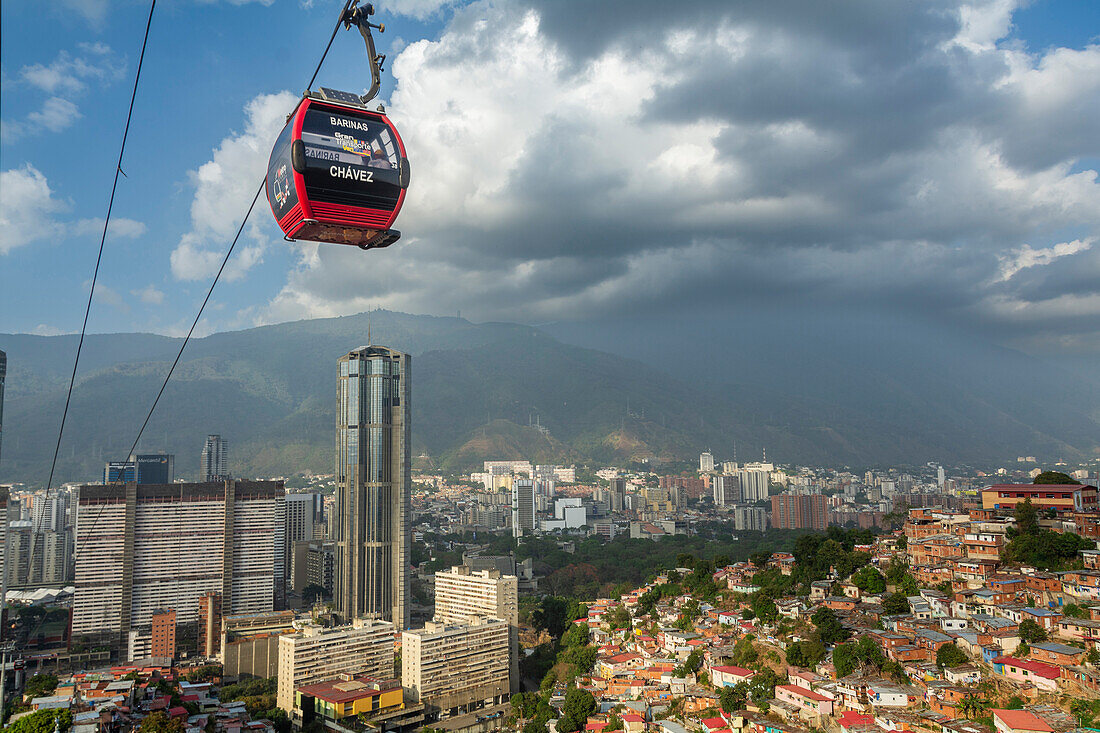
<point>217,276</point>
<point>91,291</point>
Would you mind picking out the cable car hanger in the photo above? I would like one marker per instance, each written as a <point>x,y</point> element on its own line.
<point>357,16</point>
<point>338,172</point>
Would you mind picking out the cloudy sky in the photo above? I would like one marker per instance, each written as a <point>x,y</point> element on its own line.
<point>572,160</point>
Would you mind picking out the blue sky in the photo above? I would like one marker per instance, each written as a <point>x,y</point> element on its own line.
<point>524,122</point>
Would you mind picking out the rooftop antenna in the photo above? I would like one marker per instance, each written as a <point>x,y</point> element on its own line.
<point>370,315</point>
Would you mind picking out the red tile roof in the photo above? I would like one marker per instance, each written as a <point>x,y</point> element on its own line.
<point>731,669</point>
<point>1022,720</point>
<point>803,692</point>
<point>851,717</point>
<point>1043,670</point>
<point>714,723</point>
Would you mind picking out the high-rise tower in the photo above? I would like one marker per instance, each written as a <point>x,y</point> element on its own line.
<point>3,375</point>
<point>373,485</point>
<point>215,459</point>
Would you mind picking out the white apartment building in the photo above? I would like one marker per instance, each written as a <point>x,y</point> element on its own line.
<point>706,462</point>
<point>146,547</point>
<point>456,668</point>
<point>462,594</point>
<point>317,654</point>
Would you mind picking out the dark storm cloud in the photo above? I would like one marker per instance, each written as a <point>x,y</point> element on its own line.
<point>576,159</point>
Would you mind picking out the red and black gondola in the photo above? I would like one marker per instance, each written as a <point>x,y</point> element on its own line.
<point>338,172</point>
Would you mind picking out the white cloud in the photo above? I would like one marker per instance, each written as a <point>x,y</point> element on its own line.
<point>70,74</point>
<point>224,186</point>
<point>29,212</point>
<point>1026,257</point>
<point>27,208</point>
<point>64,79</point>
<point>419,9</point>
<point>120,227</point>
<point>43,329</point>
<point>149,294</point>
<point>56,114</point>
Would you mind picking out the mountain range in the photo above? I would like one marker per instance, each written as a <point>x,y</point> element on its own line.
<point>552,394</point>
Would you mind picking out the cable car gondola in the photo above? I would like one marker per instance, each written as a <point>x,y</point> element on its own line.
<point>338,171</point>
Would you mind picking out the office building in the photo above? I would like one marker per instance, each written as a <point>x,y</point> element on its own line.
<point>3,377</point>
<point>250,643</point>
<point>315,654</point>
<point>303,511</point>
<point>144,547</point>
<point>749,518</point>
<point>462,594</point>
<point>799,512</point>
<point>313,563</point>
<point>754,484</point>
<point>726,490</point>
<point>523,506</point>
<point>341,701</point>
<point>706,462</point>
<point>456,668</point>
<point>148,468</point>
<point>214,462</point>
<point>617,494</point>
<point>373,485</point>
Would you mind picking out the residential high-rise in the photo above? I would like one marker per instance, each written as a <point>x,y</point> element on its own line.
<point>462,594</point>
<point>163,643</point>
<point>753,518</point>
<point>706,462</point>
<point>315,654</point>
<point>302,512</point>
<point>456,668</point>
<point>799,512</point>
<point>373,485</point>
<point>210,623</point>
<point>214,463</point>
<point>726,490</point>
<point>523,506</point>
<point>144,547</point>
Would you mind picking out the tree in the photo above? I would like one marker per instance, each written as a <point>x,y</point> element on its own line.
<point>159,722</point>
<point>620,618</point>
<point>1027,518</point>
<point>614,722</point>
<point>578,705</point>
<point>576,635</point>
<point>828,626</point>
<point>733,699</point>
<point>690,665</point>
<point>1032,632</point>
<point>971,705</point>
<point>312,593</point>
<point>895,604</point>
<point>869,580</point>
<point>1054,477</point>
<point>42,721</point>
<point>40,685</point>
<point>950,655</point>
